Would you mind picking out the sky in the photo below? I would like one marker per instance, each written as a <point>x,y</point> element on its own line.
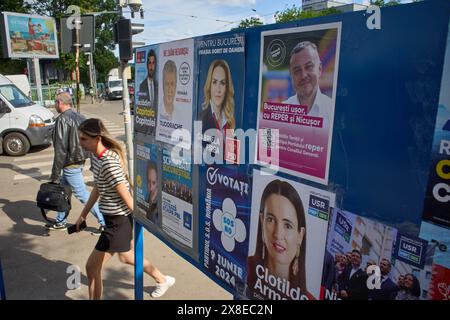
<point>168,20</point>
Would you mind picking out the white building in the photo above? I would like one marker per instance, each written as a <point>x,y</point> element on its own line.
<point>318,5</point>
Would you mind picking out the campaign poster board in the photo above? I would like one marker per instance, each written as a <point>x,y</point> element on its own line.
<point>146,89</point>
<point>176,93</point>
<point>221,78</point>
<point>297,97</point>
<point>225,200</point>
<point>177,200</point>
<point>289,224</point>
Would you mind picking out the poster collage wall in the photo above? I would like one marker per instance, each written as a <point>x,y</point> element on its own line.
<point>260,234</point>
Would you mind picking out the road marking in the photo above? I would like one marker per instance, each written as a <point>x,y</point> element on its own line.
<point>34,165</point>
<point>42,156</point>
<point>116,131</point>
<point>45,174</point>
<point>32,175</point>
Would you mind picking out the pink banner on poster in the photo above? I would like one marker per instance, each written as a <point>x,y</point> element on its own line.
<point>300,148</point>
<point>289,113</point>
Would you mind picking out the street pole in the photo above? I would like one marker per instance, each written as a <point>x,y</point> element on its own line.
<point>90,78</point>
<point>37,80</point>
<point>93,75</point>
<point>77,59</point>
<point>126,113</point>
<point>127,121</point>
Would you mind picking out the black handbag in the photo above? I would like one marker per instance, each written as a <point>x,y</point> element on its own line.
<point>55,197</point>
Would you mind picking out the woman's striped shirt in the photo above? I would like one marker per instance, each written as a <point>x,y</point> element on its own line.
<point>108,173</point>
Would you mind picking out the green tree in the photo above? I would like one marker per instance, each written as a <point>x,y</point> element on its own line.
<point>8,66</point>
<point>382,3</point>
<point>248,23</point>
<point>14,6</point>
<point>392,3</point>
<point>108,62</point>
<point>296,13</point>
<point>379,3</point>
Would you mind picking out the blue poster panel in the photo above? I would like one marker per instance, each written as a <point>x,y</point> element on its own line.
<point>225,200</point>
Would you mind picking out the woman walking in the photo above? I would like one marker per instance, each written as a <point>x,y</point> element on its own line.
<point>112,188</point>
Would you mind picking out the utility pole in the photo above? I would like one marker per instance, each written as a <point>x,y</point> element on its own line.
<point>124,31</point>
<point>126,112</point>
<point>77,59</point>
<point>91,81</point>
<point>37,79</point>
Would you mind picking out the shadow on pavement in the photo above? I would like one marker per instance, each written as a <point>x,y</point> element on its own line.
<point>18,211</point>
<point>29,275</point>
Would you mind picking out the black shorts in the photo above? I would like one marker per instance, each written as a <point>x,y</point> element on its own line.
<point>117,235</point>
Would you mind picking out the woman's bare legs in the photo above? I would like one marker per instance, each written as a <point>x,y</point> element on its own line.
<point>128,258</point>
<point>94,267</point>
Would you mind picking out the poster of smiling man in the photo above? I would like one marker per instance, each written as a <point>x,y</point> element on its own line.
<point>297,94</point>
<point>175,94</point>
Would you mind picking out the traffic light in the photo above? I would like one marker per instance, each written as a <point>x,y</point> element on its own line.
<point>124,31</point>
<point>123,37</point>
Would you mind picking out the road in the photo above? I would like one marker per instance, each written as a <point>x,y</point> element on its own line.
<point>35,261</point>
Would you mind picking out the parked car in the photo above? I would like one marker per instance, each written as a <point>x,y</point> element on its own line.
<point>23,123</point>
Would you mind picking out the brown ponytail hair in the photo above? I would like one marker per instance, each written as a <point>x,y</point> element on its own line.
<point>95,128</point>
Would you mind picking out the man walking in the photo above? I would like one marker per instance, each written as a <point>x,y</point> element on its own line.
<point>69,158</point>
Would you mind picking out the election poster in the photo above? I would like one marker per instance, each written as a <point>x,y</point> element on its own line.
<point>439,238</point>
<point>388,265</point>
<point>221,61</point>
<point>147,181</point>
<point>436,206</point>
<point>177,211</point>
<point>297,96</point>
<point>412,279</point>
<point>440,283</point>
<point>225,200</point>
<point>146,89</point>
<point>175,97</point>
<point>288,230</point>
<point>354,242</point>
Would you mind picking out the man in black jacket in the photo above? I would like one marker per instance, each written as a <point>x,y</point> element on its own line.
<point>69,157</point>
<point>353,281</point>
<point>388,289</point>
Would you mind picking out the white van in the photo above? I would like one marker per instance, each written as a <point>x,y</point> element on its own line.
<point>114,88</point>
<point>22,122</point>
<point>21,82</point>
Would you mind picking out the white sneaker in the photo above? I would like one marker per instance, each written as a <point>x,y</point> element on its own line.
<point>161,288</point>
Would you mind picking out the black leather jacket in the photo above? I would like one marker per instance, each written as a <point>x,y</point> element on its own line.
<point>67,147</point>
